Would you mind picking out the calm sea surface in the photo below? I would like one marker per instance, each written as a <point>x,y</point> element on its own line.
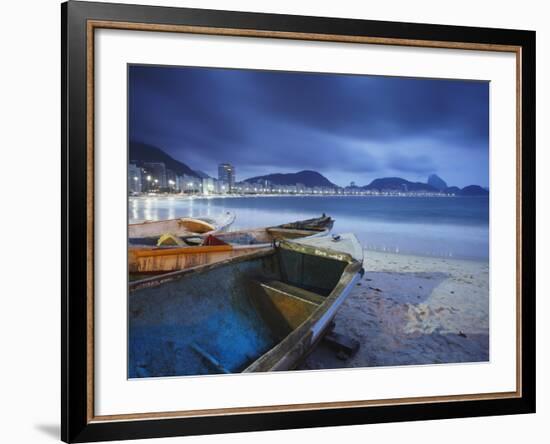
<point>437,226</point>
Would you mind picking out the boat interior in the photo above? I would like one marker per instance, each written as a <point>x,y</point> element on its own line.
<point>223,318</point>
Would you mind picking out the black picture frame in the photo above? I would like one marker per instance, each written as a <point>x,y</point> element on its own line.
<point>76,423</point>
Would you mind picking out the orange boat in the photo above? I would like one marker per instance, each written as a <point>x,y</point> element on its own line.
<point>179,253</point>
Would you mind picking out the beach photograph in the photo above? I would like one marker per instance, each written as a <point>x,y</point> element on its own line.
<point>300,221</point>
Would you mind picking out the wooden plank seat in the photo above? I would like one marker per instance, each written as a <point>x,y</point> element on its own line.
<point>293,291</point>
<point>287,303</point>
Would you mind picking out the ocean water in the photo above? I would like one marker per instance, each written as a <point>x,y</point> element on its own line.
<point>455,227</point>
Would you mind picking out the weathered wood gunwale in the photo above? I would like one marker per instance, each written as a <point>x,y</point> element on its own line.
<point>165,260</point>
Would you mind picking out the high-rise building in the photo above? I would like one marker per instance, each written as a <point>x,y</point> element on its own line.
<point>191,184</point>
<point>155,174</point>
<point>180,183</point>
<point>221,187</point>
<point>208,185</point>
<point>171,180</point>
<point>134,179</point>
<point>226,173</point>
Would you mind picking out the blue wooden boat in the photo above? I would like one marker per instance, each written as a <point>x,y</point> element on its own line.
<point>261,312</point>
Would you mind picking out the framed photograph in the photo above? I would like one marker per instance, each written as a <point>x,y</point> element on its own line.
<point>275,221</point>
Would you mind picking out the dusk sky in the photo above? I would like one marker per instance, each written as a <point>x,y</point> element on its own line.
<point>347,127</point>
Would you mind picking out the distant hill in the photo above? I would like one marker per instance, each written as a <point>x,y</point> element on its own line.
<point>474,190</point>
<point>306,177</point>
<point>398,184</point>
<point>453,190</point>
<point>142,152</point>
<point>437,182</point>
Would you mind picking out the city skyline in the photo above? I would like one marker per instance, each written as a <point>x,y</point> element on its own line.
<point>146,177</point>
<point>349,128</point>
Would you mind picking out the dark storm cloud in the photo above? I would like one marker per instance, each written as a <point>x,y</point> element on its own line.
<point>350,127</point>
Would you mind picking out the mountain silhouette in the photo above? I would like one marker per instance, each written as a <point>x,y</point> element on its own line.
<point>398,184</point>
<point>437,182</point>
<point>474,190</point>
<point>307,177</point>
<point>142,152</point>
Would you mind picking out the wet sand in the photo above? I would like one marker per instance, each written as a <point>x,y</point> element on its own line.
<point>410,310</point>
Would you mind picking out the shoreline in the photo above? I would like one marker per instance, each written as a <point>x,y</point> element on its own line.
<point>237,196</point>
<point>413,310</point>
<point>402,226</point>
<point>415,255</point>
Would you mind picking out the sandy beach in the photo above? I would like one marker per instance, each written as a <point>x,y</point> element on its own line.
<point>410,310</point>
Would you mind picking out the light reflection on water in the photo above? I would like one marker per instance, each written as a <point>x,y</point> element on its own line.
<point>444,227</point>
